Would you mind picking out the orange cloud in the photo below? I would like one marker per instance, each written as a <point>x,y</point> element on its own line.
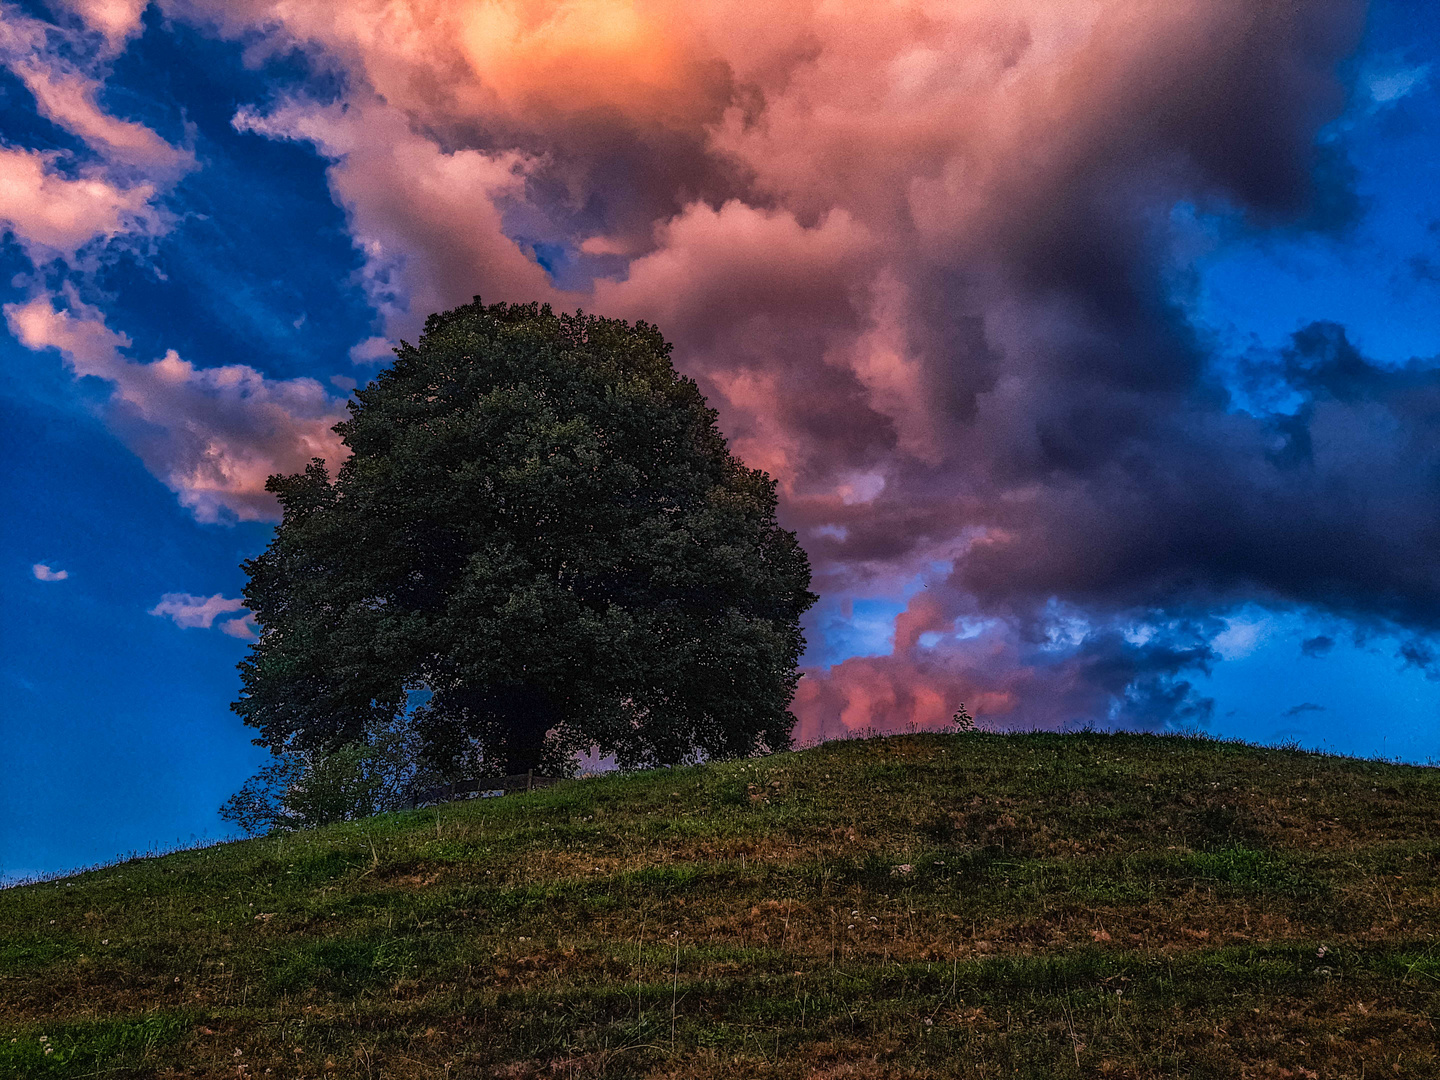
<point>567,55</point>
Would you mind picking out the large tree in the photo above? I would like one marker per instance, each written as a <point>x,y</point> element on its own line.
<point>541,537</point>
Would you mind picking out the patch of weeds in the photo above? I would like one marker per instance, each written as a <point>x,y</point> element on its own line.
<point>84,1048</point>
<point>1244,869</point>
<point>713,1035</point>
<point>1211,976</point>
<point>878,873</point>
<point>1209,826</point>
<point>940,827</point>
<point>532,901</point>
<point>1419,966</point>
<point>664,880</point>
<point>456,851</point>
<point>967,866</point>
<point>318,868</point>
<point>339,965</point>
<point>730,793</point>
<point>31,952</point>
<point>1000,830</point>
<point>1044,974</point>
<point>1118,890</point>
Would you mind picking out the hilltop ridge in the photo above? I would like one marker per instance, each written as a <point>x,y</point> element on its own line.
<point>921,906</point>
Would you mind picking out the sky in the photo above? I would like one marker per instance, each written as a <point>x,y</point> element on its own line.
<point>1092,343</point>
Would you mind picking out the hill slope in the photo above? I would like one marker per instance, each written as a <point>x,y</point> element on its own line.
<point>975,905</point>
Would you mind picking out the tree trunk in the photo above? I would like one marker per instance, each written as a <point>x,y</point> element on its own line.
<point>509,723</point>
<point>529,718</point>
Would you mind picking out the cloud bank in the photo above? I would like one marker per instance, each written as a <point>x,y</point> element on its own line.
<point>926,260</point>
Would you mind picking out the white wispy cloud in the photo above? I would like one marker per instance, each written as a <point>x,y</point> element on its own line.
<point>43,572</point>
<point>190,612</point>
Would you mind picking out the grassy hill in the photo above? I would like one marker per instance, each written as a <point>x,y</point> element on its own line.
<point>927,906</point>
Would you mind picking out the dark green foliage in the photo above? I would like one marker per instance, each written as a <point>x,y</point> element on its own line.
<point>542,528</point>
<point>301,789</point>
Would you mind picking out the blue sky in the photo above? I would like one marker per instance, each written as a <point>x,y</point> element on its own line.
<point>251,252</point>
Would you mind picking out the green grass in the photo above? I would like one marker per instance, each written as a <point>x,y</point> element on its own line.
<point>927,906</point>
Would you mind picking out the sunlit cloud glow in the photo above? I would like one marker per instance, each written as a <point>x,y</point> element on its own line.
<point>921,256</point>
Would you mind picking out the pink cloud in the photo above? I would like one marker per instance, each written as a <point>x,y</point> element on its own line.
<point>405,196</point>
<point>43,572</point>
<point>53,211</point>
<point>1016,673</point>
<point>245,628</point>
<point>765,311</point>
<point>68,98</point>
<point>915,256</point>
<point>212,435</point>
<point>116,20</point>
<point>51,214</point>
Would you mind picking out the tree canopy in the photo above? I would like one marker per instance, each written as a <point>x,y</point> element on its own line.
<point>540,543</point>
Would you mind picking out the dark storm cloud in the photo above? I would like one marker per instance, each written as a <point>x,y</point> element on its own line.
<point>924,263</point>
